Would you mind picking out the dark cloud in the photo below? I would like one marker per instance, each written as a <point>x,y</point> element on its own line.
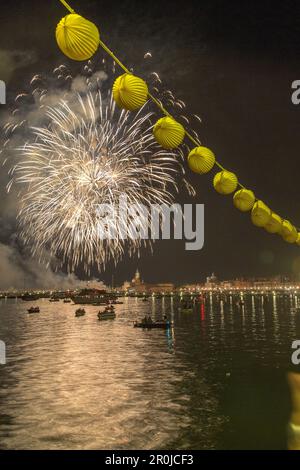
<point>14,60</point>
<point>21,272</point>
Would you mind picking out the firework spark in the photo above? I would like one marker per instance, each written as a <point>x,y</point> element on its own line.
<point>89,153</point>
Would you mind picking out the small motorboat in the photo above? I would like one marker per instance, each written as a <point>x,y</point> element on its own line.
<point>67,301</point>
<point>106,315</point>
<point>79,312</point>
<point>165,325</point>
<point>34,310</point>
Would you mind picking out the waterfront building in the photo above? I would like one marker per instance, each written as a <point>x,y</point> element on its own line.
<point>212,281</point>
<point>138,286</point>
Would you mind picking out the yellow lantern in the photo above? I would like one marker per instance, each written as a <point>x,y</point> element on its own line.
<point>168,132</point>
<point>244,200</point>
<point>274,224</point>
<point>77,37</point>
<point>225,182</point>
<point>260,214</point>
<point>130,92</point>
<point>288,232</point>
<point>201,160</point>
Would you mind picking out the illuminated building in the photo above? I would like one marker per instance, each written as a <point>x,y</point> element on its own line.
<point>138,286</point>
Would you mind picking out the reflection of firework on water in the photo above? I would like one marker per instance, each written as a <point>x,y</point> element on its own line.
<point>89,154</point>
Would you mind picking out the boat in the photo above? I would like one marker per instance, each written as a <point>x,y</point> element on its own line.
<point>34,310</point>
<point>185,309</point>
<point>91,297</point>
<point>106,315</point>
<point>165,325</point>
<point>145,299</point>
<point>29,297</point>
<point>67,301</point>
<point>79,312</point>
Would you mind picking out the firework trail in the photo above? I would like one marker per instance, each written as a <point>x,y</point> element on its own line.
<point>89,154</point>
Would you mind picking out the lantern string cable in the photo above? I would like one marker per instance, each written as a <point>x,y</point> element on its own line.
<point>68,7</point>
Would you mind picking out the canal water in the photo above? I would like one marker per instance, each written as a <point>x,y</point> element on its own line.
<point>216,380</point>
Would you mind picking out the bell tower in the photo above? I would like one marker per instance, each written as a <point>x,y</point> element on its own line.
<point>137,278</point>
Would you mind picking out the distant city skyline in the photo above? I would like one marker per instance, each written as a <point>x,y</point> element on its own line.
<point>139,285</point>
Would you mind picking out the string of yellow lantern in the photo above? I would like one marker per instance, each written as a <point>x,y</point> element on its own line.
<point>79,39</point>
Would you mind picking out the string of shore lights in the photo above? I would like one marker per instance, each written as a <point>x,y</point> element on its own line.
<point>79,39</point>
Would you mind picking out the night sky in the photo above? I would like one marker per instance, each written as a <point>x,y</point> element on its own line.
<point>233,63</point>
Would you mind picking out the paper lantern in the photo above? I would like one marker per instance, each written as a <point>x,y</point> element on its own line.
<point>274,224</point>
<point>244,200</point>
<point>288,232</point>
<point>168,132</point>
<point>130,92</point>
<point>225,182</point>
<point>201,160</point>
<point>260,214</point>
<point>77,37</point>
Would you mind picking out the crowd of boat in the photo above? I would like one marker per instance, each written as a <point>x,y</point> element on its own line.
<point>108,313</point>
<point>185,305</point>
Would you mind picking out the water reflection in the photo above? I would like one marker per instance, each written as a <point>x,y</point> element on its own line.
<point>79,383</point>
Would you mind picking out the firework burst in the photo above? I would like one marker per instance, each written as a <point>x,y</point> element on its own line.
<point>89,153</point>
